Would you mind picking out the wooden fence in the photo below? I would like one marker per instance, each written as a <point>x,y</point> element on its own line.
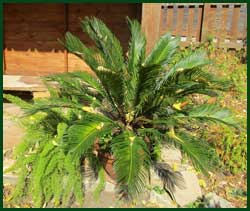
<point>31,30</point>
<point>224,23</point>
<point>31,33</point>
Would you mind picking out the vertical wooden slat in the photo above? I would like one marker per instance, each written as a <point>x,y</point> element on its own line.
<point>234,31</point>
<point>199,23</point>
<point>242,21</point>
<point>174,20</point>
<point>164,16</point>
<point>185,18</point>
<point>229,19</point>
<point>205,22</point>
<point>179,30</point>
<point>190,24</point>
<point>217,23</point>
<point>196,21</point>
<point>218,20</point>
<point>224,33</point>
<point>170,19</point>
<point>151,14</point>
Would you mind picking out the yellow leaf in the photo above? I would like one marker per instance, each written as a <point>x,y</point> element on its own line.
<point>129,116</point>
<point>132,138</point>
<point>99,127</point>
<point>177,106</point>
<point>175,166</point>
<point>202,183</point>
<point>88,109</point>
<point>55,143</point>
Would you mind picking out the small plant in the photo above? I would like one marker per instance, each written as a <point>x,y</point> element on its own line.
<point>231,146</point>
<point>116,119</point>
<point>238,193</point>
<point>159,190</point>
<point>199,203</point>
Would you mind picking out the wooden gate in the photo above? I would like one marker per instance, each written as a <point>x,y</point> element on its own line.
<point>224,23</point>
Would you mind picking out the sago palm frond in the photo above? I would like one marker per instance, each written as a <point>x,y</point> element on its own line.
<point>107,44</point>
<point>131,163</point>
<point>136,54</point>
<point>91,57</point>
<point>82,136</point>
<point>201,154</point>
<point>208,112</point>
<point>110,51</point>
<point>163,51</point>
<point>194,60</point>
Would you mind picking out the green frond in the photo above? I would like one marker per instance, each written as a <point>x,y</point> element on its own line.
<point>209,112</point>
<point>81,137</point>
<point>194,60</point>
<point>191,80</point>
<point>77,90</point>
<point>131,163</point>
<point>203,156</point>
<point>17,101</point>
<point>151,132</point>
<point>37,174</point>
<point>110,58</point>
<point>90,80</point>
<point>20,188</point>
<point>75,46</point>
<point>74,181</point>
<point>106,42</point>
<point>113,84</point>
<point>163,51</point>
<point>79,81</point>
<point>136,54</point>
<point>91,57</point>
<point>146,87</point>
<point>137,44</point>
<point>101,185</point>
<point>151,69</point>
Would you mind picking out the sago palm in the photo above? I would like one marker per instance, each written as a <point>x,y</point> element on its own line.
<point>127,108</point>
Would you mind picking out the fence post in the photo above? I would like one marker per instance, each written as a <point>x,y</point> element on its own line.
<point>151,19</point>
<point>204,22</point>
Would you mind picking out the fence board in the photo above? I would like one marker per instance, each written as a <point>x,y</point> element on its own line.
<point>31,32</point>
<point>151,25</point>
<point>196,22</point>
<point>33,63</point>
<point>30,39</point>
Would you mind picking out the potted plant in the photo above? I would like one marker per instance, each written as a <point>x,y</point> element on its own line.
<point>116,117</point>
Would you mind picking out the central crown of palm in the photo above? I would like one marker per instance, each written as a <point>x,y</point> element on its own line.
<point>136,101</point>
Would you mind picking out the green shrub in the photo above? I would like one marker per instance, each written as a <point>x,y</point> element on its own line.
<point>127,110</point>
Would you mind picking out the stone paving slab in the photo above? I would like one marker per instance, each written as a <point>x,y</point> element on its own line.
<point>12,132</point>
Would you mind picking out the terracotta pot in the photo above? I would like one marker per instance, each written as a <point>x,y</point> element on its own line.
<point>108,163</point>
